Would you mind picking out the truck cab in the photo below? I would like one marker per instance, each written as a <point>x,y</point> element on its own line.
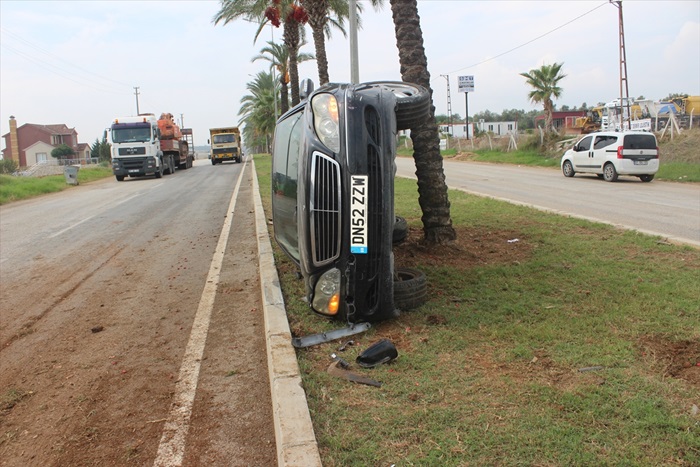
<point>333,193</point>
<point>135,147</point>
<point>225,145</point>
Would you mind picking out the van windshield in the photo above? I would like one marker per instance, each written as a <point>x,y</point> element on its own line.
<point>639,142</point>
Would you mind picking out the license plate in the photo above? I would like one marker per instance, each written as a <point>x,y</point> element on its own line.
<point>640,162</point>
<point>132,171</point>
<point>359,191</point>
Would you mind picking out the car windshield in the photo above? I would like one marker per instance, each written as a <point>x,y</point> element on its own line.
<point>131,134</point>
<point>219,139</point>
<point>640,142</point>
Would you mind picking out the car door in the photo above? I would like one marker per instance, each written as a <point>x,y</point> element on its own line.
<point>582,154</point>
<point>604,149</point>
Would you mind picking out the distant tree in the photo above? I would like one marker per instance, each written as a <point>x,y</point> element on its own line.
<point>62,151</point>
<point>101,150</point>
<point>545,86</point>
<point>584,106</point>
<point>8,166</point>
<point>675,95</point>
<point>565,108</point>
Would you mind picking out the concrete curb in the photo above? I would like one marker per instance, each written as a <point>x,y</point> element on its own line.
<point>294,432</point>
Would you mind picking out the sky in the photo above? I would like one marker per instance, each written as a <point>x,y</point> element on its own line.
<point>79,62</point>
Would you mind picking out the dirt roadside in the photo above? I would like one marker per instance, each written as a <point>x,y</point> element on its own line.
<point>88,380</point>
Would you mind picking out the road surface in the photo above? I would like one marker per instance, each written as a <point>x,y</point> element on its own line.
<point>670,210</point>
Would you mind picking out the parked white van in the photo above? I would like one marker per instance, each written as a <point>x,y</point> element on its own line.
<point>609,154</point>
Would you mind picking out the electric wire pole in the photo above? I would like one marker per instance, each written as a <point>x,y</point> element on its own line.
<point>449,107</point>
<point>624,86</point>
<point>136,92</point>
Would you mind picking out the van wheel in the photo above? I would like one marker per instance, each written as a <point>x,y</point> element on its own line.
<point>568,169</point>
<point>412,103</point>
<point>609,173</point>
<point>120,178</point>
<point>646,178</point>
<point>410,288</point>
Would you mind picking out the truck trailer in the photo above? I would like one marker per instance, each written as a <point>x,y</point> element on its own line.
<point>144,145</point>
<point>225,145</point>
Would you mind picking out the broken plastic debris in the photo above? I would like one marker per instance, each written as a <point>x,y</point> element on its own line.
<point>514,240</point>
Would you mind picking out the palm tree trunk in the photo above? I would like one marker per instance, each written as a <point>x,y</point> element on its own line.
<point>284,95</point>
<point>432,189</point>
<point>318,16</point>
<point>291,40</point>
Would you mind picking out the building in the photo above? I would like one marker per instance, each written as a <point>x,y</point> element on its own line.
<point>32,144</point>
<point>564,121</point>
<point>498,128</point>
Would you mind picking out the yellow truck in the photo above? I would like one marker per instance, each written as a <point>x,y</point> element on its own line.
<point>225,145</point>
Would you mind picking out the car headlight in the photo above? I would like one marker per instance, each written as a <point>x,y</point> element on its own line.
<point>325,109</point>
<point>327,293</point>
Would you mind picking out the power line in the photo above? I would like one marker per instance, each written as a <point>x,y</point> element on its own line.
<point>60,60</point>
<point>530,41</point>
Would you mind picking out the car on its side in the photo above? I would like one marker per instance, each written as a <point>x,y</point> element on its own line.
<point>333,194</point>
<point>610,154</point>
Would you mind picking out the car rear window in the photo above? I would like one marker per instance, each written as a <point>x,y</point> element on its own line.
<point>639,142</point>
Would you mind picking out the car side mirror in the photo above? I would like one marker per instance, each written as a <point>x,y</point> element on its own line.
<point>306,87</point>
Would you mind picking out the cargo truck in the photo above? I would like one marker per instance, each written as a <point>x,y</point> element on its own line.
<point>146,145</point>
<point>225,145</point>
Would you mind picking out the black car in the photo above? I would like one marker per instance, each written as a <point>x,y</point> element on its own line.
<point>333,193</point>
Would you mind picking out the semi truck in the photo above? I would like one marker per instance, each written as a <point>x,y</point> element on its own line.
<point>225,145</point>
<point>146,145</point>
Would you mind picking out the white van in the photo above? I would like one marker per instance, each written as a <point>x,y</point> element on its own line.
<point>609,154</point>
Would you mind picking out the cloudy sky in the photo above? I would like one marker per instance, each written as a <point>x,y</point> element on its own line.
<point>78,62</point>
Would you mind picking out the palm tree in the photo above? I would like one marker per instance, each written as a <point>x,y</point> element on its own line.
<point>320,12</point>
<point>292,14</point>
<point>545,84</point>
<point>256,111</point>
<point>432,189</point>
<point>278,57</point>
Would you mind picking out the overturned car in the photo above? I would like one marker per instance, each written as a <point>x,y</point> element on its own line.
<point>333,195</point>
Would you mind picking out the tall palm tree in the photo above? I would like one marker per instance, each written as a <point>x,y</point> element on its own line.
<point>545,86</point>
<point>322,15</point>
<point>256,111</point>
<point>287,12</point>
<point>432,189</point>
<point>278,57</point>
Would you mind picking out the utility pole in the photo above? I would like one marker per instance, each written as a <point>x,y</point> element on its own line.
<point>136,91</point>
<point>449,106</point>
<point>354,66</point>
<point>624,86</point>
<point>182,121</point>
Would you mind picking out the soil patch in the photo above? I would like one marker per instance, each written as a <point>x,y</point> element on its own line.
<point>675,359</point>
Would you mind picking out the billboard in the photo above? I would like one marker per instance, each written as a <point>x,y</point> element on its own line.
<point>465,84</point>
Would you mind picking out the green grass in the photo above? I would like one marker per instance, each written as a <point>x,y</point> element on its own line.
<point>499,382</point>
<point>18,188</point>
<point>679,171</point>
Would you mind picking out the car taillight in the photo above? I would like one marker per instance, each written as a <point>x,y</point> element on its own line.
<point>619,152</point>
<point>657,152</point>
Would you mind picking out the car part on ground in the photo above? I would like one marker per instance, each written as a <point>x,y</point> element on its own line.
<point>400,230</point>
<point>382,351</point>
<point>323,337</point>
<point>410,288</point>
<point>340,369</point>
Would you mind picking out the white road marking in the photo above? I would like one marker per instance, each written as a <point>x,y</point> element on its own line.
<point>171,450</point>
<point>68,228</point>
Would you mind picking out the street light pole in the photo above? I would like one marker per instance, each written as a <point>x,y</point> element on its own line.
<point>354,66</point>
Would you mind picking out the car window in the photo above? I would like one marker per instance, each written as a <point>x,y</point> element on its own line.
<point>285,163</point>
<point>584,144</point>
<point>640,142</point>
<point>604,141</point>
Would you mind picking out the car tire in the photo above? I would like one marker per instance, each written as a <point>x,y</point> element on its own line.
<point>412,103</point>
<point>410,288</point>
<point>400,230</point>
<point>213,162</point>
<point>120,178</point>
<point>159,171</point>
<point>609,172</point>
<point>646,178</point>
<point>568,169</point>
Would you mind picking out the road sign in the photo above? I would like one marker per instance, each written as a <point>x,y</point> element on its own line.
<point>465,84</point>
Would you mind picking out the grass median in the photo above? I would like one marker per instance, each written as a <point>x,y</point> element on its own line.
<point>547,341</point>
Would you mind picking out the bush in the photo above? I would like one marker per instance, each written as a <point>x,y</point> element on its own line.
<point>8,166</point>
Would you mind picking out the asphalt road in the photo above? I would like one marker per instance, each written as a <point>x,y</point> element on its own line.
<point>669,210</point>
<point>110,291</point>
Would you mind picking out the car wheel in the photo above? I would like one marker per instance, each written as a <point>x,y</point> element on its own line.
<point>213,162</point>
<point>646,178</point>
<point>609,173</point>
<point>120,178</point>
<point>410,288</point>
<point>400,230</point>
<point>412,103</point>
<point>159,172</point>
<point>568,169</point>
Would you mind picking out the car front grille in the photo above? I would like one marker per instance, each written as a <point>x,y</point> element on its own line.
<point>325,209</point>
<point>133,163</point>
